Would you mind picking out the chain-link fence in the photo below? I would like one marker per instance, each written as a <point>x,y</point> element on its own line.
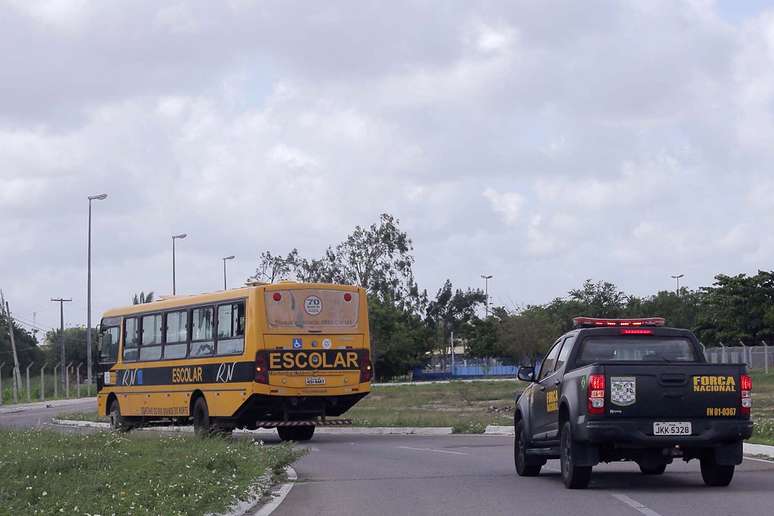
<point>756,357</point>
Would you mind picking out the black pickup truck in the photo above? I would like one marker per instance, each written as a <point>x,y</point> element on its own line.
<point>631,389</point>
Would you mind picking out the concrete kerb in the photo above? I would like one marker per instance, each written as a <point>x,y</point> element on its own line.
<point>379,430</point>
<point>751,450</point>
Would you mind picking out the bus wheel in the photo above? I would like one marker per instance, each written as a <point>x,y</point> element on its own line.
<point>118,422</point>
<point>296,433</point>
<point>201,418</point>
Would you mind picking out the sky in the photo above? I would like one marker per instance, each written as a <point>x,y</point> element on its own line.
<point>543,143</point>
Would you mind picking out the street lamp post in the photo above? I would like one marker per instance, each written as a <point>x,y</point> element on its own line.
<point>100,197</point>
<point>677,279</point>
<point>486,293</point>
<point>226,258</point>
<point>175,237</point>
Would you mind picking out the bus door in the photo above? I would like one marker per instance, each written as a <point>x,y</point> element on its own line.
<point>107,345</point>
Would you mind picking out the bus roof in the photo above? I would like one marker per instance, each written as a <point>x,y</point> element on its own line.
<point>171,302</point>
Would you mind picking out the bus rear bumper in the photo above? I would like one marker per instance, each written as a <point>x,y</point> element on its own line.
<point>260,407</point>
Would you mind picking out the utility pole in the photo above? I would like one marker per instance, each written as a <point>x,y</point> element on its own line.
<point>16,372</point>
<point>61,302</point>
<point>225,284</point>
<point>175,237</point>
<point>677,279</point>
<point>100,197</point>
<point>486,293</point>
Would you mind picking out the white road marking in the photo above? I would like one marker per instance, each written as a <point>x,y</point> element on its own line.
<point>634,504</point>
<point>432,450</point>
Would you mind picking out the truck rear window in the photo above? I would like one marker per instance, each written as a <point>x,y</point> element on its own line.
<point>635,348</point>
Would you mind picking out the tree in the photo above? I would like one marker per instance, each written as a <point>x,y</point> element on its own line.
<point>26,346</point>
<point>528,334</point>
<point>400,339</point>
<point>142,298</point>
<point>275,268</point>
<point>75,346</point>
<point>451,311</point>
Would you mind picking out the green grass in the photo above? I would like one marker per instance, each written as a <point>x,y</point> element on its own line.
<point>46,472</point>
<point>467,407</point>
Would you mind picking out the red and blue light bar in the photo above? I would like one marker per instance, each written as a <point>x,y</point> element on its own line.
<point>595,322</point>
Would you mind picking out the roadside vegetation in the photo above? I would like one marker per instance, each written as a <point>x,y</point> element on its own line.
<point>46,472</point>
<point>468,407</point>
<point>48,384</point>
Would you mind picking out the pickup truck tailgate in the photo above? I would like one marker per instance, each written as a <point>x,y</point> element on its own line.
<point>672,391</point>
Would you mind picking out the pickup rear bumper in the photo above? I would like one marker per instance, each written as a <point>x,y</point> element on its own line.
<point>639,433</point>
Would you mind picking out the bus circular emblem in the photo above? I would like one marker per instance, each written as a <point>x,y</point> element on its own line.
<point>313,305</point>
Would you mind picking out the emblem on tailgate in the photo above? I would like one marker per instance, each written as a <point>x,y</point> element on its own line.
<point>623,390</point>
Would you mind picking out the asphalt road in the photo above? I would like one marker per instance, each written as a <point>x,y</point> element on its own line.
<point>40,414</point>
<point>380,475</point>
<point>473,474</point>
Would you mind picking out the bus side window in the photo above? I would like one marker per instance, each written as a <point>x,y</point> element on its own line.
<point>131,339</point>
<point>151,337</point>
<point>231,331</point>
<point>202,321</point>
<point>176,329</point>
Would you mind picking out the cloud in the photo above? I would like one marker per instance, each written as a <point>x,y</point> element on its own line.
<point>541,149</point>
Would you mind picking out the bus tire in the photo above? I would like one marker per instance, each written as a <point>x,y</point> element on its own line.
<point>118,422</point>
<point>296,433</point>
<point>201,418</point>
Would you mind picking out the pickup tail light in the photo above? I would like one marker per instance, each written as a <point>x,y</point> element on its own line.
<point>366,369</point>
<point>596,393</point>
<point>261,369</point>
<point>745,384</point>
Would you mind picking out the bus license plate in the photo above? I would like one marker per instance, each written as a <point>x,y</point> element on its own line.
<point>672,428</point>
<point>315,380</point>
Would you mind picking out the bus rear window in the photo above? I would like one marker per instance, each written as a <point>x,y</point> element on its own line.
<point>635,348</point>
<point>311,308</point>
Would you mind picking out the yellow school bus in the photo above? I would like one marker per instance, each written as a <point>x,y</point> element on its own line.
<point>285,355</point>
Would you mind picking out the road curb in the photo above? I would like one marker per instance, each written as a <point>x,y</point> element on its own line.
<point>750,449</point>
<point>377,430</point>
<point>279,495</point>
<point>21,407</point>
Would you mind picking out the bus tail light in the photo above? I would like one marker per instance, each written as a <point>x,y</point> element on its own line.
<point>596,391</point>
<point>366,369</point>
<point>745,383</point>
<point>261,369</point>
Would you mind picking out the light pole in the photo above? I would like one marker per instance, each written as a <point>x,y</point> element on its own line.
<point>226,258</point>
<point>175,237</point>
<point>100,197</point>
<point>486,293</point>
<point>61,302</point>
<point>677,279</point>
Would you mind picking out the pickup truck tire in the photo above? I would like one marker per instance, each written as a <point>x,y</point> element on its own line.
<point>714,474</point>
<point>574,477</point>
<point>523,468</point>
<point>649,469</point>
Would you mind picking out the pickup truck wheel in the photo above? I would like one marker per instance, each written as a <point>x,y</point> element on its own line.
<point>520,453</point>
<point>715,474</point>
<point>574,477</point>
<point>647,469</point>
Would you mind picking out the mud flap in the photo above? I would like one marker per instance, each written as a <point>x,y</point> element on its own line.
<point>729,454</point>
<point>585,454</point>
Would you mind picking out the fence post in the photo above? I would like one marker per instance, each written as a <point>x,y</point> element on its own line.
<point>43,383</point>
<point>29,390</point>
<point>1,382</point>
<point>765,357</point>
<point>67,379</point>
<point>78,379</point>
<point>16,376</point>
<point>722,353</point>
<point>56,383</point>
